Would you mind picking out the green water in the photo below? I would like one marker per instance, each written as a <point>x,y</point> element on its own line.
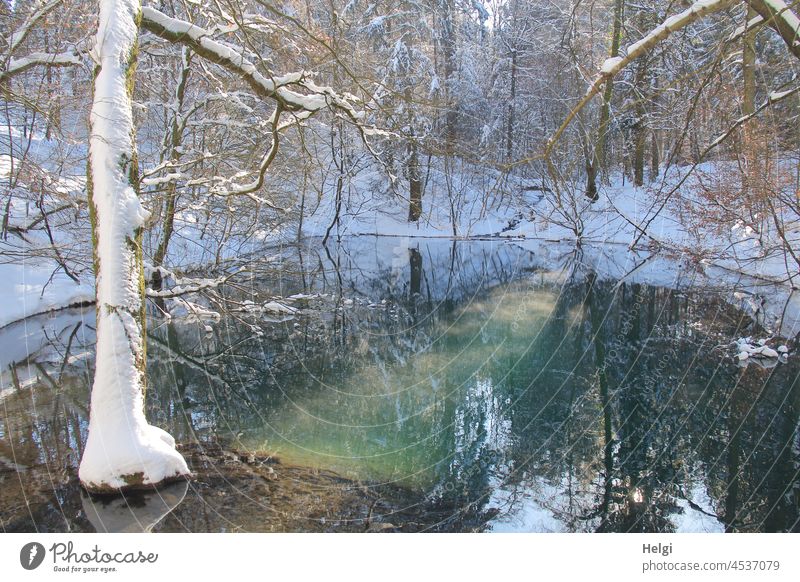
<point>408,408</point>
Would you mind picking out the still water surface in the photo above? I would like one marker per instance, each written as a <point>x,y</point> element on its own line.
<point>478,382</point>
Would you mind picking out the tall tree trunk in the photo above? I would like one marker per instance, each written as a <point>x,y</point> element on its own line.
<point>640,140</point>
<point>749,67</point>
<point>122,451</point>
<point>511,114</point>
<point>655,155</point>
<point>414,181</point>
<point>338,160</point>
<point>412,165</point>
<point>448,42</point>
<point>643,91</point>
<point>591,180</point>
<point>175,141</point>
<point>598,162</point>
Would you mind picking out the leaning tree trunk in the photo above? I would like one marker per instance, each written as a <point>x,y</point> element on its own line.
<point>123,451</point>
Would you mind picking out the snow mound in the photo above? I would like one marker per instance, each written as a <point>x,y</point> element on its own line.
<point>123,456</point>
<point>275,307</point>
<point>747,348</point>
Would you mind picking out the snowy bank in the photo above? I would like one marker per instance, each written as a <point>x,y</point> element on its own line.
<point>31,289</point>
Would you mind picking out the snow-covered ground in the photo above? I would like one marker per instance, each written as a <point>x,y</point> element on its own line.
<point>488,204</point>
<point>485,204</point>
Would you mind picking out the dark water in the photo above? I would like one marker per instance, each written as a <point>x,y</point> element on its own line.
<point>488,386</point>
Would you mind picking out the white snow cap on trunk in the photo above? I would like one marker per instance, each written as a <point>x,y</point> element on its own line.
<point>123,450</point>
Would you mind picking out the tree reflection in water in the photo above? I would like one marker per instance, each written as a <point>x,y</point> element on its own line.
<point>133,513</point>
<point>476,384</point>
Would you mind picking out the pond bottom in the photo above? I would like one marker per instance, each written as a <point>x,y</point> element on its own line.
<point>232,491</point>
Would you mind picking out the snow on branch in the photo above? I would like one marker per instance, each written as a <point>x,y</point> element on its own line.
<point>611,67</point>
<point>41,10</point>
<point>751,24</point>
<point>184,286</point>
<point>300,105</point>
<point>16,66</point>
<point>9,65</point>
<point>780,17</point>
<point>201,42</point>
<point>772,98</point>
<point>266,161</point>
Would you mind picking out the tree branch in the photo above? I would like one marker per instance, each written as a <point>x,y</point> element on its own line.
<point>611,67</point>
<point>20,65</point>
<point>782,19</point>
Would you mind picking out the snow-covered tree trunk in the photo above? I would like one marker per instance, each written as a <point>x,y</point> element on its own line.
<point>123,451</point>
